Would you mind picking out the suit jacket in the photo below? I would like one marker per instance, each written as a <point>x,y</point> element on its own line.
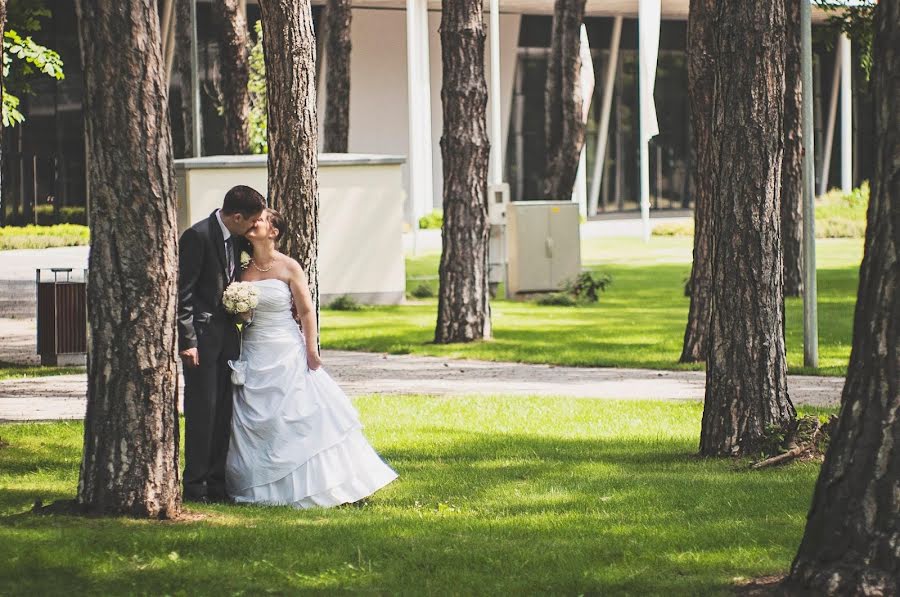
<point>203,277</point>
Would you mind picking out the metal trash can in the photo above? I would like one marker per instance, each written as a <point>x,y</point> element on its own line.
<point>61,318</point>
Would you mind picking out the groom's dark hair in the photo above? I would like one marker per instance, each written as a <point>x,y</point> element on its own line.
<point>243,200</point>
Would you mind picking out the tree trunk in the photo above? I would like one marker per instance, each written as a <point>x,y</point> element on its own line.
<point>234,45</point>
<point>463,308</point>
<point>792,165</point>
<point>563,122</point>
<point>337,109</point>
<point>746,381</point>
<point>289,47</point>
<point>701,79</point>
<point>852,541</point>
<point>130,462</point>
<point>183,67</point>
<point>2,159</point>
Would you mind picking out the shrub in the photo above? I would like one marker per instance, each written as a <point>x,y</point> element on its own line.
<point>42,237</point>
<point>433,220</point>
<point>344,303</point>
<point>423,291</point>
<point>67,215</point>
<point>674,229</point>
<point>587,286</point>
<point>556,299</point>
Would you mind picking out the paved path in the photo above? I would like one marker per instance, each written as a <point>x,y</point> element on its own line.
<point>63,397</point>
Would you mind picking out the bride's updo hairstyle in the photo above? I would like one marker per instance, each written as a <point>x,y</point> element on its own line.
<point>276,220</point>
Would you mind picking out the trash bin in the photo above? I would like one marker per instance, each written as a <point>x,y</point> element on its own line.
<point>61,317</point>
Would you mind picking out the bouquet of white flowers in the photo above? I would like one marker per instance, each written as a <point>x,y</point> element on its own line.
<point>240,298</point>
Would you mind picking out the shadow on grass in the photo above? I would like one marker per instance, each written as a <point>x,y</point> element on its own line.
<point>473,512</point>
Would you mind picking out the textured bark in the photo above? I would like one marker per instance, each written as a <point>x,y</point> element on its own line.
<point>183,67</point>
<point>289,47</point>
<point>2,160</point>
<point>852,541</point>
<point>337,108</point>
<point>130,461</point>
<point>746,381</point>
<point>234,45</point>
<point>792,164</point>
<point>701,80</point>
<point>563,122</point>
<point>463,307</point>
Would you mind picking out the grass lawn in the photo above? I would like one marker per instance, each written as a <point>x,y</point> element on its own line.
<point>15,371</point>
<point>639,321</point>
<point>496,496</point>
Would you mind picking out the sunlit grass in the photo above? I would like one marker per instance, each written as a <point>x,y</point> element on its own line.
<point>639,321</point>
<point>496,495</point>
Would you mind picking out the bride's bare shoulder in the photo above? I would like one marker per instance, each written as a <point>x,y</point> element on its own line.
<point>292,266</point>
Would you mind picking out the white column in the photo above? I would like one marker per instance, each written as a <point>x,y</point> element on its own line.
<point>195,83</point>
<point>810,303</point>
<point>609,82</point>
<point>496,162</point>
<point>419,97</point>
<point>648,48</point>
<point>829,127</point>
<point>580,191</point>
<point>846,114</point>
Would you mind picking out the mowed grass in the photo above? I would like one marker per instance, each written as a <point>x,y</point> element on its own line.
<point>43,237</point>
<point>496,496</point>
<point>639,321</point>
<point>18,371</point>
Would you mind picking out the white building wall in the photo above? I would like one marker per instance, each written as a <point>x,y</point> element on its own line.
<point>378,93</point>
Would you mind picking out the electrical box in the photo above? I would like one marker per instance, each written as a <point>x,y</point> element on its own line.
<point>543,245</point>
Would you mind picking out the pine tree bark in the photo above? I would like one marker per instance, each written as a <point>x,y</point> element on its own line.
<point>2,158</point>
<point>130,461</point>
<point>337,108</point>
<point>183,68</point>
<point>234,46</point>
<point>563,122</point>
<point>701,81</point>
<point>463,307</point>
<point>289,48</point>
<point>852,541</point>
<point>792,164</point>
<point>746,376</point>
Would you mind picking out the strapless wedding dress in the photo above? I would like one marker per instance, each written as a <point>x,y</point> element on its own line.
<point>295,436</point>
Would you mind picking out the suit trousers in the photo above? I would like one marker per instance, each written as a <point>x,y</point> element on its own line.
<point>207,409</point>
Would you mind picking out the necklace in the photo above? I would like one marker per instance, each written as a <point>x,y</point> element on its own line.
<point>271,265</point>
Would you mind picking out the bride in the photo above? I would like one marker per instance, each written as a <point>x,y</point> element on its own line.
<point>295,437</point>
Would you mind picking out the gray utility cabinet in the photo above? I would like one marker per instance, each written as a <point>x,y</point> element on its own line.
<point>544,244</point>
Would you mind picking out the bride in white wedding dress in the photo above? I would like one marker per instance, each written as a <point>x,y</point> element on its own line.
<point>295,437</point>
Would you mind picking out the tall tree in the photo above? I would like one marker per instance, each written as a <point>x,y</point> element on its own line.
<point>130,461</point>
<point>463,307</point>
<point>182,66</point>
<point>337,108</point>
<point>234,46</point>
<point>746,376</point>
<point>289,48</point>
<point>563,101</point>
<point>792,164</point>
<point>701,81</point>
<point>852,541</point>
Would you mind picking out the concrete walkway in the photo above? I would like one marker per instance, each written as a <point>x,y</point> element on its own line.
<point>63,397</point>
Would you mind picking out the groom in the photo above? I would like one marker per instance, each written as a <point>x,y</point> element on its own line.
<point>207,337</point>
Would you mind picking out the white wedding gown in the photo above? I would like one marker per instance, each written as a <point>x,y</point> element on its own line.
<point>295,437</point>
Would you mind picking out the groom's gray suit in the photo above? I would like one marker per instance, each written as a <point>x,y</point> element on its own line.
<point>205,270</point>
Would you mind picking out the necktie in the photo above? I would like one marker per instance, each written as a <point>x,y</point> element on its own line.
<point>229,257</point>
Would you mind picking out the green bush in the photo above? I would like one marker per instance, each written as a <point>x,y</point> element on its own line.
<point>42,237</point>
<point>433,220</point>
<point>556,299</point>
<point>423,291</point>
<point>674,229</point>
<point>587,286</point>
<point>67,215</point>
<point>344,303</point>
